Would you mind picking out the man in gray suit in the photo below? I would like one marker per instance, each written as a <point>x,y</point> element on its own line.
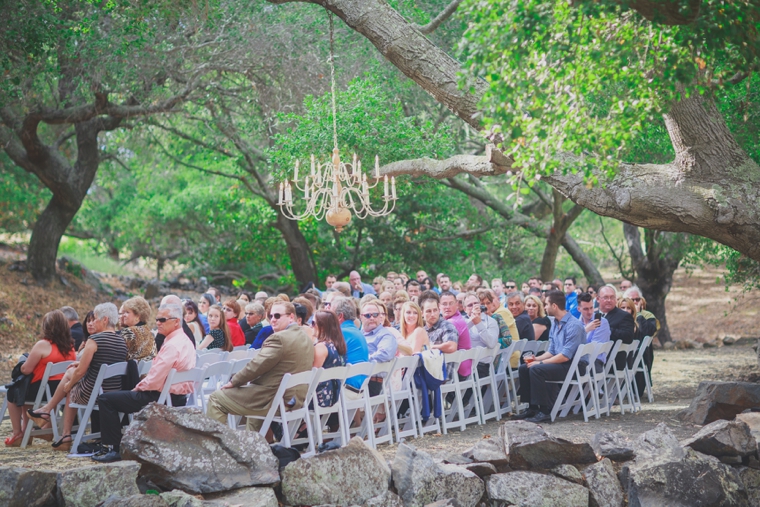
<point>251,390</point>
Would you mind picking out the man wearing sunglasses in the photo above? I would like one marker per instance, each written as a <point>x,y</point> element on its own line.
<point>381,344</point>
<point>251,390</point>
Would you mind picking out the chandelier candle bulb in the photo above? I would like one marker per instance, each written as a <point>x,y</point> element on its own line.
<point>306,190</point>
<point>385,191</point>
<point>295,176</point>
<point>313,162</point>
<point>393,186</point>
<point>281,194</point>
<point>377,167</point>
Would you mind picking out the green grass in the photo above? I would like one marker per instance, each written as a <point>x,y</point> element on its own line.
<point>82,251</point>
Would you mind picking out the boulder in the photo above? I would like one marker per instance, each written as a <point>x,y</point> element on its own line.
<point>249,497</point>
<point>444,503</point>
<point>721,400</point>
<point>135,501</point>
<point>724,438</point>
<point>387,499</point>
<point>751,480</point>
<point>21,487</point>
<point>664,473</point>
<point>420,481</point>
<point>528,447</point>
<point>752,420</point>
<point>481,469</point>
<point>88,486</point>
<point>568,472</point>
<point>456,459</point>
<point>182,448</point>
<point>612,445</point>
<point>604,485</point>
<point>531,488</point>
<point>178,498</point>
<point>347,476</point>
<point>489,450</point>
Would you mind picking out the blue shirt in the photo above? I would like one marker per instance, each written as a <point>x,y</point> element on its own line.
<point>204,321</point>
<point>356,351</point>
<point>566,336</point>
<point>598,335</point>
<point>265,333</point>
<point>571,304</point>
<point>366,289</point>
<point>381,344</point>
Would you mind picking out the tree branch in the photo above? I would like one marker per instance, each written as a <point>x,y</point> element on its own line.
<point>467,234</point>
<point>440,18</point>
<point>623,272</point>
<point>190,138</point>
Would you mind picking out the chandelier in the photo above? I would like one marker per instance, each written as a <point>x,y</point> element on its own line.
<point>332,190</point>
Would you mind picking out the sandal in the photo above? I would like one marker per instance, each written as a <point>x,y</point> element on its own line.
<point>15,440</point>
<point>39,418</point>
<point>60,445</point>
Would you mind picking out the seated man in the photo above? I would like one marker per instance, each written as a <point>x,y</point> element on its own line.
<point>288,350</point>
<point>566,336</point>
<point>176,352</point>
<point>381,343</point>
<point>597,330</point>
<point>516,305</point>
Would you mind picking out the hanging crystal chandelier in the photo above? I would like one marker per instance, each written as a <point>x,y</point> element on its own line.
<point>332,190</point>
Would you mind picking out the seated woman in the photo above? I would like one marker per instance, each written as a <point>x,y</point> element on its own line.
<point>329,352</point>
<point>415,338</point>
<point>104,346</point>
<point>87,328</point>
<point>194,322</point>
<point>55,346</point>
<point>219,334</point>
<point>231,310</point>
<point>541,323</point>
<point>141,344</point>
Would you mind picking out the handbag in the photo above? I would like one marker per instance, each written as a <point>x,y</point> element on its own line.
<point>16,390</point>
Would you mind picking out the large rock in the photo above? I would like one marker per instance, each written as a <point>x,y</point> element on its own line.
<point>346,476</point>
<point>604,485</point>
<point>420,481</point>
<point>664,473</point>
<point>528,447</point>
<point>88,486</point>
<point>751,479</point>
<point>724,438</point>
<point>387,499</point>
<point>533,489</point>
<point>135,501</point>
<point>21,487</point>
<point>489,450</point>
<point>612,445</point>
<point>567,472</point>
<point>182,448</point>
<point>481,469</point>
<point>249,497</point>
<point>721,400</point>
<point>752,420</point>
<point>178,498</point>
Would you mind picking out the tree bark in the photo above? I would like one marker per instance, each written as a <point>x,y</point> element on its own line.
<point>711,189</point>
<point>655,268</point>
<point>298,250</point>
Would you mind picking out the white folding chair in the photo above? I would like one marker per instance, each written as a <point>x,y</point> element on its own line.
<point>252,353</point>
<point>209,358</point>
<point>599,378</point>
<point>457,415</point>
<point>107,371</point>
<point>513,375</point>
<point>542,347</point>
<point>581,387</point>
<point>619,381</point>
<point>216,375</point>
<point>194,375</point>
<point>238,365</point>
<point>322,414</point>
<point>486,387</point>
<point>405,425</point>
<point>502,380</point>
<point>143,366</point>
<point>381,431</point>
<point>44,394</point>
<point>240,347</point>
<point>354,408</point>
<point>640,367</point>
<point>291,419</point>
<point>237,354</point>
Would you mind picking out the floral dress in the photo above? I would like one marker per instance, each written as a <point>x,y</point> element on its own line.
<point>328,391</point>
<point>218,336</point>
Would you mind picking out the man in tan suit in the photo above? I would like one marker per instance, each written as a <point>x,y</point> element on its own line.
<point>288,350</point>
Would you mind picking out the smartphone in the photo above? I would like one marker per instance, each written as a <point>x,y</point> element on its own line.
<point>483,308</point>
<point>598,316</point>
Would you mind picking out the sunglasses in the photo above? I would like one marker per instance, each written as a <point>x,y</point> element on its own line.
<point>510,286</point>
<point>326,304</point>
<point>544,291</point>
<point>277,316</point>
<point>161,320</point>
<point>370,315</point>
<point>635,300</point>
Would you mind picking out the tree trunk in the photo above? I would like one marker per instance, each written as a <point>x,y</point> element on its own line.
<point>46,236</point>
<point>298,250</point>
<point>551,250</point>
<point>581,258</point>
<point>654,269</point>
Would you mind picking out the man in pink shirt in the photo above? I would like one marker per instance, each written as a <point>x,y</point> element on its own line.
<point>450,311</point>
<point>176,352</point>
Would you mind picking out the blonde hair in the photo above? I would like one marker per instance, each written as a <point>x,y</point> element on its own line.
<point>541,311</point>
<point>139,306</point>
<point>414,306</point>
<point>632,306</point>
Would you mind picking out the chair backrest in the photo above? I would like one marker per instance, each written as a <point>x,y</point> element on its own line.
<point>543,346</point>
<point>586,349</point>
<point>407,365</point>
<point>531,346</point>
<point>253,353</point>
<point>240,347</point>
<point>237,354</point>
<point>383,367</point>
<point>143,366</point>
<point>222,368</point>
<point>335,373</point>
<point>107,371</point>
<point>611,357</point>
<point>519,345</point>
<point>51,370</point>
<point>194,375</point>
<point>238,365</point>
<point>208,358</point>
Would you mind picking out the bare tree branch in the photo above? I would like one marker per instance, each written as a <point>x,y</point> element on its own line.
<point>188,137</point>
<point>440,18</point>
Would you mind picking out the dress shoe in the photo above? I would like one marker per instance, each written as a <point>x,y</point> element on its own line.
<point>540,417</point>
<point>108,457</point>
<point>525,415</point>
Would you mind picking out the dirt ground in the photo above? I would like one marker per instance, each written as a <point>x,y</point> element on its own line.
<point>698,309</point>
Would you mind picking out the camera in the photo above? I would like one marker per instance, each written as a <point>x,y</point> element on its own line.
<point>483,308</point>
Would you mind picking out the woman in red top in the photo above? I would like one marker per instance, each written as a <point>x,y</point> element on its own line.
<point>55,345</point>
<point>231,311</point>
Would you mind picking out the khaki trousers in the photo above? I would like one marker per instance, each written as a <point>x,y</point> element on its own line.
<point>219,405</point>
